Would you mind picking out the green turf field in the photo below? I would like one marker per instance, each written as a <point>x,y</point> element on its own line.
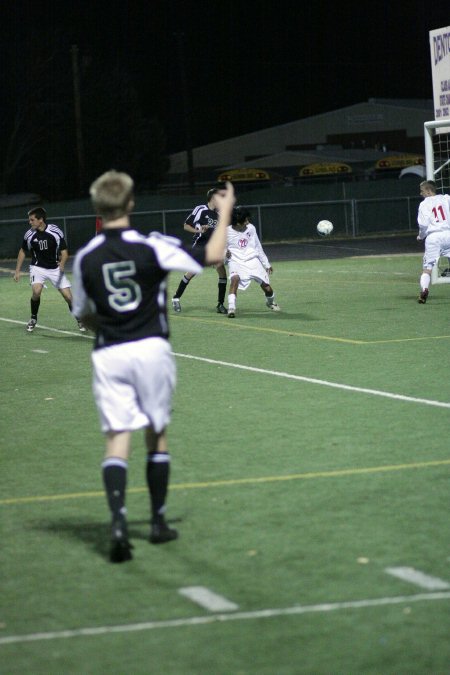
<point>310,452</point>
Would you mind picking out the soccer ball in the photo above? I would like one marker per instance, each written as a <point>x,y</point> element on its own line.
<point>324,227</point>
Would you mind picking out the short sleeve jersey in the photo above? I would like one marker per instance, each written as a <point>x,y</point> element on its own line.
<point>199,217</point>
<point>45,246</point>
<point>434,215</point>
<point>121,276</point>
<point>244,246</point>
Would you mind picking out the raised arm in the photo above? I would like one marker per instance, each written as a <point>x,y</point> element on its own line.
<point>215,248</point>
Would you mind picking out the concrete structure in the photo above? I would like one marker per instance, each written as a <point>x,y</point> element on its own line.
<point>357,133</point>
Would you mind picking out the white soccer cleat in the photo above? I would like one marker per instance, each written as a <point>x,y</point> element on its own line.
<point>82,327</point>
<point>31,325</point>
<point>176,304</point>
<point>274,307</point>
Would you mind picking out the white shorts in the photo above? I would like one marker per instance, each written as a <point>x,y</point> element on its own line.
<point>39,275</point>
<point>437,244</point>
<point>133,384</point>
<point>252,270</point>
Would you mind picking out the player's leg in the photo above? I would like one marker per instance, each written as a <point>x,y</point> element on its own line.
<point>157,474</point>
<point>234,285</point>
<point>222,287</point>
<point>114,469</point>
<point>180,290</point>
<point>119,412</point>
<point>425,280</point>
<point>35,301</point>
<point>430,258</point>
<point>67,295</point>
<point>270,297</point>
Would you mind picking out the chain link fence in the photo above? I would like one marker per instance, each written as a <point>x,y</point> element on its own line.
<point>274,222</point>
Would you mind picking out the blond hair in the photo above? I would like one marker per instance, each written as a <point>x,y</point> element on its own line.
<point>112,195</point>
<point>428,185</point>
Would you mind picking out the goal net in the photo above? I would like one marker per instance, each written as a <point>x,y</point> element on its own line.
<point>437,160</point>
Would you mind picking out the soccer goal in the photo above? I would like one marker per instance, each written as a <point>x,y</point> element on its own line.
<point>437,160</point>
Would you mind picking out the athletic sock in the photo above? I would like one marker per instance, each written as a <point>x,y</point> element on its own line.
<point>158,470</point>
<point>115,481</point>
<point>34,307</point>
<point>222,285</point>
<point>232,301</point>
<point>181,287</point>
<point>425,281</point>
<point>270,298</point>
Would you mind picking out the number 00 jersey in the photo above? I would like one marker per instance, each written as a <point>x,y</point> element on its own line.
<point>121,276</point>
<point>44,246</point>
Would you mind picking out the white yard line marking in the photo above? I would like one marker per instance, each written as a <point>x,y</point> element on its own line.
<point>324,383</point>
<point>208,599</point>
<point>53,330</point>
<point>40,351</point>
<point>217,618</point>
<point>418,578</point>
<point>276,373</point>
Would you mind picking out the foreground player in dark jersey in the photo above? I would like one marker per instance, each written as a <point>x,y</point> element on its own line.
<point>120,281</point>
<point>49,255</point>
<point>201,222</point>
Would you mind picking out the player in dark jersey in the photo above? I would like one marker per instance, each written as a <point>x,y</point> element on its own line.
<point>120,281</point>
<point>202,222</point>
<point>49,255</point>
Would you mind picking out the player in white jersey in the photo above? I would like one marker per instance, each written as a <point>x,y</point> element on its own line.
<point>246,261</point>
<point>434,226</point>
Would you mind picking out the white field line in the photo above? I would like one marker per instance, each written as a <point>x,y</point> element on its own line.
<point>208,599</point>
<point>324,383</point>
<point>418,578</point>
<point>276,373</point>
<point>217,618</point>
<point>53,330</point>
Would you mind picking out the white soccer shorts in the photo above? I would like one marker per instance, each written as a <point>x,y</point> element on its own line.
<point>39,275</point>
<point>252,270</point>
<point>436,244</point>
<point>133,384</point>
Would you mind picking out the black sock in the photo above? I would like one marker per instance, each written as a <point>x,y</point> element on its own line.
<point>115,481</point>
<point>158,469</point>
<point>222,290</point>
<point>181,287</point>
<point>34,307</point>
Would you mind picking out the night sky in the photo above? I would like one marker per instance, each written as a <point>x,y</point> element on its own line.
<point>237,65</point>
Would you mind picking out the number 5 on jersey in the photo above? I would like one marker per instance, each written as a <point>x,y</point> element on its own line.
<point>125,294</point>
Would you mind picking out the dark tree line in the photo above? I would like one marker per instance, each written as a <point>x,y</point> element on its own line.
<point>38,130</point>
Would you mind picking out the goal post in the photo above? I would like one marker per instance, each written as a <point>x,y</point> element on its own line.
<point>437,162</point>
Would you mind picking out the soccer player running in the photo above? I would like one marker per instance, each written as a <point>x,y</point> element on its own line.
<point>120,290</point>
<point>201,222</point>
<point>246,261</point>
<point>49,255</point>
<point>434,226</point>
